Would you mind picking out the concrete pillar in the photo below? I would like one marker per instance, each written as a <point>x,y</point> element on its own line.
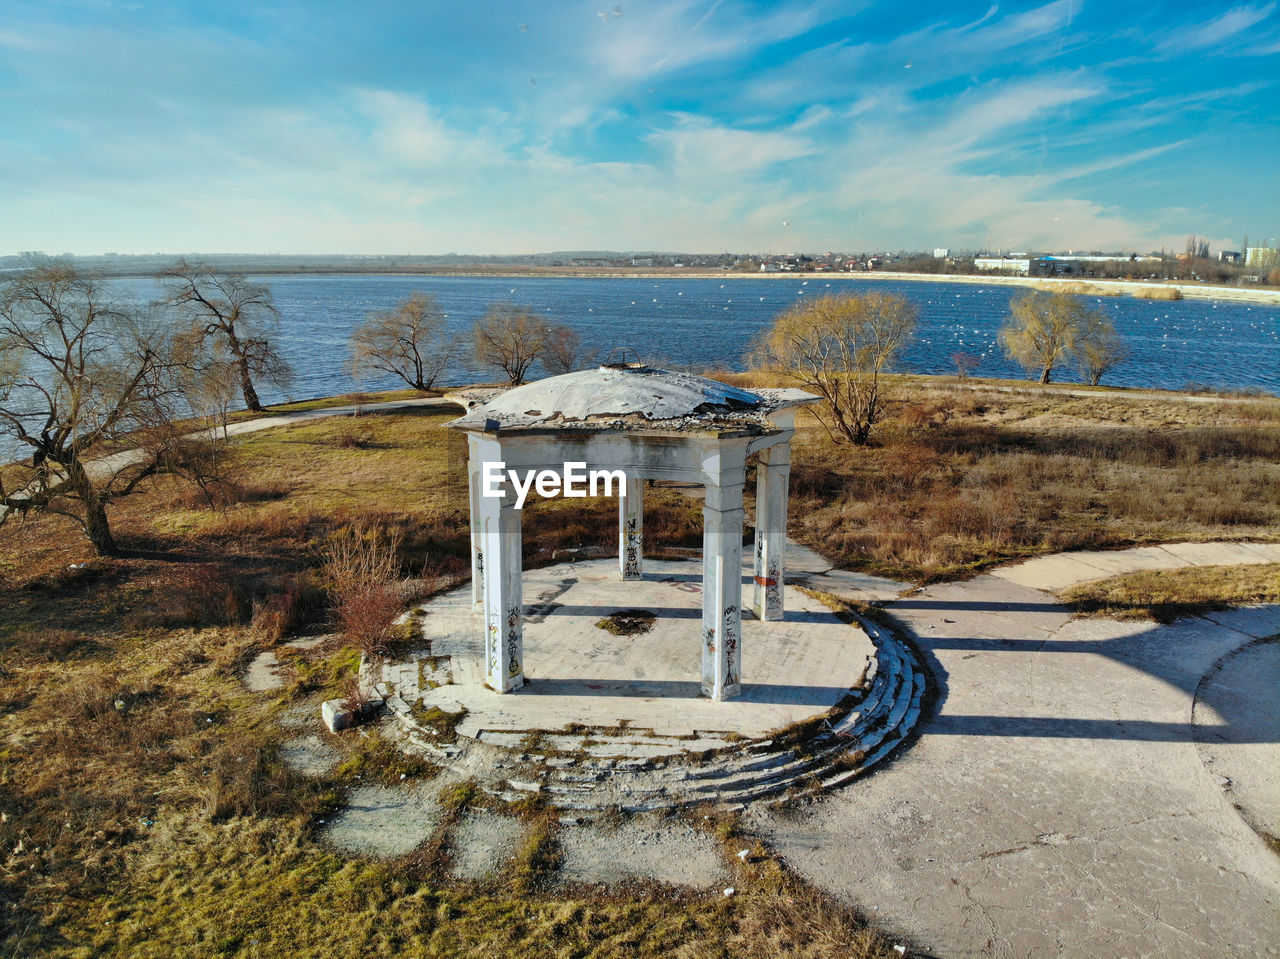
<point>722,587</point>
<point>477,544</point>
<point>501,537</point>
<point>631,530</point>
<point>773,473</point>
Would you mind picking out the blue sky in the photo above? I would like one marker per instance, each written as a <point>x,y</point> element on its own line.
<point>702,125</point>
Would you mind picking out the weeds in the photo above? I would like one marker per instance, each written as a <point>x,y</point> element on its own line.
<point>361,567</point>
<point>1168,594</point>
<point>377,759</point>
<point>537,859</point>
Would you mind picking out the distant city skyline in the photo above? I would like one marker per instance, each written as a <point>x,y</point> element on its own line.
<point>507,128</point>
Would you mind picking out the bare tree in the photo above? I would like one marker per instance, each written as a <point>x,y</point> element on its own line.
<point>236,318</point>
<point>1043,330</point>
<point>86,385</point>
<point>209,392</point>
<point>510,338</point>
<point>965,363</point>
<point>410,341</point>
<point>562,349</point>
<point>839,346</point>
<point>1197,247</point>
<point>1099,348</point>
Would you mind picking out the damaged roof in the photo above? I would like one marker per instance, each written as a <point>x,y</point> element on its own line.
<point>628,397</point>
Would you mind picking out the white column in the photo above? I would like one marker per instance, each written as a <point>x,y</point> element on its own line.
<point>722,587</point>
<point>773,473</point>
<point>631,530</point>
<point>477,544</point>
<point>503,599</point>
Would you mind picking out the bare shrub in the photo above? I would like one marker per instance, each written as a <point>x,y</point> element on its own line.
<point>228,493</point>
<point>55,645</point>
<point>350,436</point>
<point>284,610</point>
<point>205,595</point>
<point>562,351</point>
<point>361,567</point>
<point>965,363</point>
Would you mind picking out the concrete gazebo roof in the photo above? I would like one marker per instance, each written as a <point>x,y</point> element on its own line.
<point>649,424</point>
<point>630,398</point>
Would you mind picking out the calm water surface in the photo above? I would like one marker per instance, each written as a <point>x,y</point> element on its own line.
<point>706,323</point>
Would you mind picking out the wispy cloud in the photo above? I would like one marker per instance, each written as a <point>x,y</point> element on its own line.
<point>1219,30</point>
<point>697,145</point>
<point>667,36</point>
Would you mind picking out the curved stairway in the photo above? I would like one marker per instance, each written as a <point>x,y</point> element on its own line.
<point>822,754</point>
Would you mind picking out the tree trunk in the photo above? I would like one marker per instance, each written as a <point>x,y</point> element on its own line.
<point>1044,374</point>
<point>97,527</point>
<point>242,366</point>
<point>246,386</point>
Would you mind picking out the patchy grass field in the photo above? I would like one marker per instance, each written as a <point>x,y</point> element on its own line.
<point>958,478</point>
<point>144,807</point>
<point>1168,594</point>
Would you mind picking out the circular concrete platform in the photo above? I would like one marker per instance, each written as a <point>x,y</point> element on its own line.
<point>608,721</point>
<point>644,687</point>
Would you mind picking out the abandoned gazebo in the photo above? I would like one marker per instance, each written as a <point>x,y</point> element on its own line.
<point>650,424</point>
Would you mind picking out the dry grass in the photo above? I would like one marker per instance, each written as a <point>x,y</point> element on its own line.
<point>1080,288</point>
<point>1164,595</point>
<point>956,481</point>
<point>146,812</point>
<point>1159,293</point>
<point>145,809</point>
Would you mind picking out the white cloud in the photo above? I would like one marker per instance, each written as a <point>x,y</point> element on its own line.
<point>696,145</point>
<point>663,37</point>
<point>1219,30</point>
<point>20,41</point>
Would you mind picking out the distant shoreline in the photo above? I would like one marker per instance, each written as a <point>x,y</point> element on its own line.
<point>1192,291</point>
<point>1106,287</point>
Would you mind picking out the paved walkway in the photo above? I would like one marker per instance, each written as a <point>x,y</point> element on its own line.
<point>1058,801</point>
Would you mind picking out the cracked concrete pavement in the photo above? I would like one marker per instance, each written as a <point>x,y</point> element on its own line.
<point>1057,802</point>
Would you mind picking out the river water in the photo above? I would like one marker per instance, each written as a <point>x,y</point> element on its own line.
<point>710,323</point>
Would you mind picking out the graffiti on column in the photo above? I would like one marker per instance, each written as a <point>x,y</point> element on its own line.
<point>513,641</point>
<point>491,652</point>
<point>631,550</point>
<point>773,589</point>
<point>730,644</point>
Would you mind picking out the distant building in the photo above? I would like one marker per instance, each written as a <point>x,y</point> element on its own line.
<point>1228,256</point>
<point>1259,255</point>
<point>941,253</point>
<point>642,261</point>
<point>768,268</point>
<point>1019,265</point>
